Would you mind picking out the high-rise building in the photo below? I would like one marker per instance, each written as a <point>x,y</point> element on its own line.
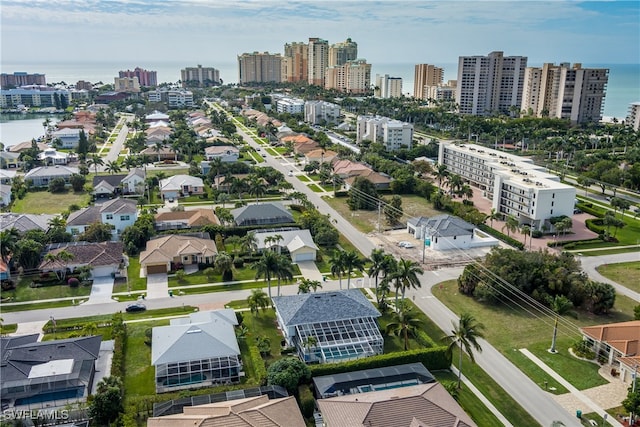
<point>633,117</point>
<point>342,52</point>
<point>200,76</point>
<point>259,67</point>
<point>442,92</point>
<point>84,85</point>
<point>393,134</point>
<point>388,87</point>
<point>565,92</point>
<point>318,55</point>
<point>126,84</point>
<point>321,112</point>
<point>21,78</point>
<point>490,84</point>
<point>145,77</point>
<point>295,62</point>
<point>352,77</point>
<point>426,75</point>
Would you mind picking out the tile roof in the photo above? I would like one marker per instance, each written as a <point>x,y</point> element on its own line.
<point>194,338</point>
<point>323,307</point>
<point>419,405</point>
<point>17,148</point>
<point>221,149</point>
<point>259,411</point>
<point>84,253</point>
<point>444,225</point>
<point>177,182</point>
<point>193,218</point>
<point>623,336</point>
<point>25,222</point>
<point>94,213</point>
<point>165,248</point>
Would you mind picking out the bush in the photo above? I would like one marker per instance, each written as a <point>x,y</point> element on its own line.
<point>582,349</point>
<point>258,364</point>
<point>305,401</point>
<point>289,373</point>
<point>73,282</point>
<point>536,234</point>
<point>433,358</point>
<point>498,235</point>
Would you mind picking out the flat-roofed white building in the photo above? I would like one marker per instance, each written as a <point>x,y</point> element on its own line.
<point>388,87</point>
<point>289,105</point>
<point>633,117</point>
<point>317,112</point>
<point>393,133</point>
<point>515,185</point>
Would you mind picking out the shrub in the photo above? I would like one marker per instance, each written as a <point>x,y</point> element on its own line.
<point>433,358</point>
<point>289,373</point>
<point>536,234</point>
<point>238,262</point>
<point>305,401</point>
<point>582,349</point>
<point>498,235</point>
<point>73,282</point>
<point>258,364</point>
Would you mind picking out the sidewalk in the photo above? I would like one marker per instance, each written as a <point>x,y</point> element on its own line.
<point>579,398</point>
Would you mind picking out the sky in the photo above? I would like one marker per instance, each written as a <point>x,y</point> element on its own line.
<point>417,31</point>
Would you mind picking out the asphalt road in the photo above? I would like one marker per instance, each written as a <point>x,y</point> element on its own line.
<point>590,263</point>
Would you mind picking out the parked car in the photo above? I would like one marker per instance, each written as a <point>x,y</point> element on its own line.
<point>290,173</point>
<point>135,307</point>
<point>406,245</point>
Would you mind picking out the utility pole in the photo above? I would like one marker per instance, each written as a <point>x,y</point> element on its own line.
<point>379,212</point>
<point>424,243</point>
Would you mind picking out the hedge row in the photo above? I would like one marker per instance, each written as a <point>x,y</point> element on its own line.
<point>306,401</point>
<point>119,335</point>
<point>588,208</point>
<point>433,358</point>
<point>568,244</point>
<point>498,235</point>
<point>258,364</point>
<point>423,339</point>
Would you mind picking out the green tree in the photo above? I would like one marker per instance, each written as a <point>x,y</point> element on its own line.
<point>404,323</point>
<point>289,373</point>
<point>465,335</point>
<point>285,270</point>
<point>602,297</point>
<point>338,266</point>
<point>511,225</point>
<point>257,187</point>
<point>393,210</point>
<point>77,182</point>
<point>95,160</point>
<point>362,195</point>
<point>8,241</point>
<point>27,253</point>
<point>377,259</point>
<point>404,275</point>
<point>493,216</point>
<point>307,285</point>
<point>107,403</point>
<point>441,173</point>
<point>224,264</point>
<point>258,300</point>
<point>561,306</point>
<point>83,145</point>
<point>267,266</point>
<point>59,261</point>
<point>57,185</point>
<point>97,232</point>
<point>352,262</point>
<point>112,167</point>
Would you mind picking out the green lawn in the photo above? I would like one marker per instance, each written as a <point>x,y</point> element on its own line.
<point>628,235</point>
<point>136,283</point>
<point>626,273</point>
<point>264,324</point>
<point>36,306</point>
<point>24,292</point>
<point>524,331</point>
<point>315,188</point>
<point>140,374</point>
<point>605,251</point>
<point>8,329</point>
<point>303,178</point>
<point>43,202</point>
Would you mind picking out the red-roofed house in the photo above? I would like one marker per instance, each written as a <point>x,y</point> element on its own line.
<point>618,343</point>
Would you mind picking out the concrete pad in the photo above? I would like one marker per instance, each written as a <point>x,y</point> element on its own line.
<point>309,270</point>
<point>157,286</point>
<point>29,328</point>
<point>101,290</point>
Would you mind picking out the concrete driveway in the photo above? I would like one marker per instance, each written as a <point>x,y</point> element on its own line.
<point>101,290</point>
<point>309,270</point>
<point>157,286</point>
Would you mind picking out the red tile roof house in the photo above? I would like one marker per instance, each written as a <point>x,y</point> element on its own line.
<point>618,343</point>
<point>105,258</point>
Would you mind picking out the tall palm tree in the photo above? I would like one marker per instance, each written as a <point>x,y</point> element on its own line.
<point>441,173</point>
<point>95,160</point>
<point>224,264</point>
<point>63,257</point>
<point>249,242</point>
<point>525,230</point>
<point>455,183</point>
<point>560,305</point>
<point>404,323</point>
<point>405,276</point>
<point>8,241</point>
<point>112,167</point>
<point>494,215</point>
<point>337,264</point>
<point>257,187</point>
<point>258,300</point>
<point>352,262</point>
<point>377,258</point>
<point>465,335</point>
<point>285,270</point>
<point>267,266</point>
<point>511,225</point>
<point>157,148</point>
<point>216,164</point>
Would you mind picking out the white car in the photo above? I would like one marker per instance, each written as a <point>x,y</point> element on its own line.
<point>290,173</point>
<point>406,245</point>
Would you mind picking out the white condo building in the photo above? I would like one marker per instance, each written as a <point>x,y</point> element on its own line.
<point>515,185</point>
<point>317,112</point>
<point>633,117</point>
<point>394,134</point>
<point>388,87</point>
<point>490,84</point>
<point>565,92</point>
<point>285,104</point>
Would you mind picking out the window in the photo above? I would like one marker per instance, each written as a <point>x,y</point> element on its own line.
<point>74,231</point>
<point>124,217</point>
<point>109,216</point>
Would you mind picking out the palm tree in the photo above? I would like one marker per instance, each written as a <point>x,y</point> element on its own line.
<point>224,264</point>
<point>157,148</point>
<point>112,167</point>
<point>249,242</point>
<point>306,285</point>
<point>337,265</point>
<point>465,335</point>
<point>285,269</point>
<point>216,164</point>
<point>560,305</point>
<point>258,299</point>
<point>494,215</point>
<point>511,225</point>
<point>455,183</point>
<point>404,322</point>
<point>352,262</point>
<point>441,173</point>
<point>63,257</point>
<point>222,198</point>
<point>267,266</point>
<point>257,187</point>
<point>525,230</point>
<point>405,276</point>
<point>377,258</point>
<point>8,241</point>
<point>95,160</point>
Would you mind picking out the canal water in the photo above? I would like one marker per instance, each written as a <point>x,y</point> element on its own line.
<point>17,128</point>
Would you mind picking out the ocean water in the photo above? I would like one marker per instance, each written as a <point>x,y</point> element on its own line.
<point>623,87</point>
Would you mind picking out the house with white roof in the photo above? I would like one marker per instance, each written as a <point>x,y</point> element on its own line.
<point>226,153</point>
<point>69,137</point>
<point>119,213</point>
<point>180,186</point>
<point>298,243</point>
<point>156,116</point>
<point>42,176</point>
<point>6,176</point>
<point>5,195</point>
<point>25,222</point>
<point>196,351</point>
<point>51,157</point>
<point>446,232</point>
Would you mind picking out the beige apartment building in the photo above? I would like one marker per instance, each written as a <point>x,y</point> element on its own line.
<point>352,77</point>
<point>259,67</point>
<point>203,76</point>
<point>426,75</point>
<point>341,53</point>
<point>318,54</point>
<point>295,63</point>
<point>565,92</point>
